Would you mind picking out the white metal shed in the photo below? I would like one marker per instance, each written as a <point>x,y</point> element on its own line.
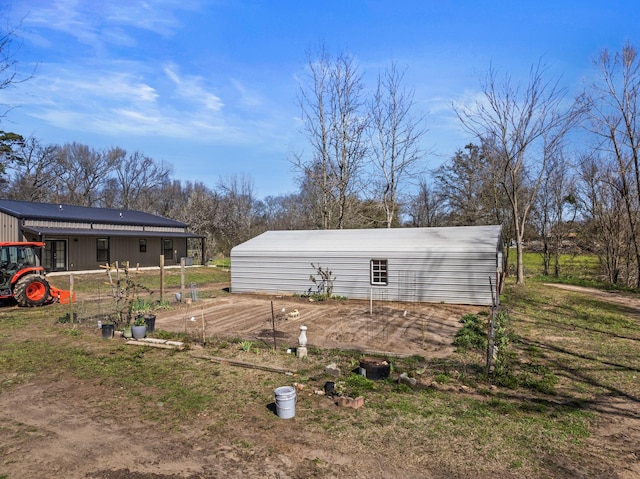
<point>458,265</point>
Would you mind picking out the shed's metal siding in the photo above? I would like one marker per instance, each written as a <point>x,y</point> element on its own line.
<point>452,265</point>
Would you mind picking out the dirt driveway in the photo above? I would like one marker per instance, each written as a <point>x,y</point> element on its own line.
<point>399,329</point>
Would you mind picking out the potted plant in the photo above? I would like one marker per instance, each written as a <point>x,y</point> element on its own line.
<point>143,309</point>
<point>126,331</point>
<point>139,328</point>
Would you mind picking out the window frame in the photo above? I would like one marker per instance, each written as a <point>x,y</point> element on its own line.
<point>142,245</point>
<point>379,272</point>
<point>166,242</point>
<point>102,254</point>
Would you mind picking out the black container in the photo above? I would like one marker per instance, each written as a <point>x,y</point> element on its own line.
<point>374,368</point>
<point>330,389</point>
<point>150,321</point>
<point>108,330</point>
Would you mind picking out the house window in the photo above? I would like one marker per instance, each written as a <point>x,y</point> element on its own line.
<point>167,247</point>
<point>143,245</point>
<point>102,250</point>
<point>379,271</point>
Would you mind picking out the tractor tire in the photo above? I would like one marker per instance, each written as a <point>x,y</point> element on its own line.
<point>31,290</point>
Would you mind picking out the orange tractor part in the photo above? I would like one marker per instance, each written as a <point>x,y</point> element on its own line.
<point>22,276</point>
<point>62,296</point>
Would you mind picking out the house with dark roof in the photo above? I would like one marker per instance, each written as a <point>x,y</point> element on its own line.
<point>80,238</point>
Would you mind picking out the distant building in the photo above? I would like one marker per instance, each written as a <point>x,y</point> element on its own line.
<point>459,265</point>
<point>80,238</point>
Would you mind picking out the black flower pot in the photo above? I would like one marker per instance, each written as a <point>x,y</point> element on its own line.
<point>107,330</point>
<point>150,321</point>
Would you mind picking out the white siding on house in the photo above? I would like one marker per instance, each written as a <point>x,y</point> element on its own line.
<point>451,265</point>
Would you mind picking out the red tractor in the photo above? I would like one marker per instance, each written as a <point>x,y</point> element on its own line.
<point>22,276</point>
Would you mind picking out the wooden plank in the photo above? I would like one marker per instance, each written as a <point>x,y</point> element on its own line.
<point>135,342</point>
<point>243,364</point>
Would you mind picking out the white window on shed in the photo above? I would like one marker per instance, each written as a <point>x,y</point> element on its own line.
<point>379,271</point>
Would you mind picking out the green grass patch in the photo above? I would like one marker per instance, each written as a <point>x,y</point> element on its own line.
<point>221,262</point>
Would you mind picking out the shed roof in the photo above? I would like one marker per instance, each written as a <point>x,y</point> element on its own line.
<point>392,240</point>
<point>84,214</point>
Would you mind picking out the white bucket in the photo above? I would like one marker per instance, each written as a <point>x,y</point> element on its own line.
<point>285,402</point>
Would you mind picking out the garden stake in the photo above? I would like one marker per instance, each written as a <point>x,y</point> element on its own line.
<point>71,295</point>
<point>204,330</point>
<point>273,322</point>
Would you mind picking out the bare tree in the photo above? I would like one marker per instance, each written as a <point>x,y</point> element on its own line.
<point>469,188</point>
<point>334,122</point>
<point>614,102</point>
<point>425,206</point>
<point>82,173</point>
<point>170,200</point>
<point>238,203</point>
<point>555,210</point>
<point>33,176</point>
<point>600,193</point>
<point>202,212</point>
<point>282,213</point>
<point>314,172</point>
<point>523,127</point>
<point>9,47</point>
<point>395,136</point>
<point>348,127</point>
<point>138,178</point>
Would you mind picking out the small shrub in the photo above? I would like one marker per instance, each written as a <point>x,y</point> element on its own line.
<point>74,332</point>
<point>472,335</point>
<point>356,385</point>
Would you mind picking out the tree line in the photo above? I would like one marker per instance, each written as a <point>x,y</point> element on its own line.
<point>558,171</point>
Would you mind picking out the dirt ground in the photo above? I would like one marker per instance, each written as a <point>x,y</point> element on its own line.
<point>399,329</point>
<point>49,428</point>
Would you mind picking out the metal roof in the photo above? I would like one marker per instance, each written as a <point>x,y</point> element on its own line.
<point>370,241</point>
<point>85,214</point>
<point>48,231</point>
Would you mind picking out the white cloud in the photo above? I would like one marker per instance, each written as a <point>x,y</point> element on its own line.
<point>117,102</point>
<point>98,23</point>
<point>117,92</point>
<point>190,88</point>
<point>248,98</point>
<point>80,86</point>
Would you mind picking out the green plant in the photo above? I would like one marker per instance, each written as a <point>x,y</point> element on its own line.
<point>501,343</point>
<point>472,335</point>
<point>164,304</point>
<point>139,321</point>
<point>141,306</point>
<point>74,331</point>
<point>246,346</point>
<point>324,282</point>
<point>356,385</point>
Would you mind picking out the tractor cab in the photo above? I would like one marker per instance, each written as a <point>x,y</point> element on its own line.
<point>15,257</point>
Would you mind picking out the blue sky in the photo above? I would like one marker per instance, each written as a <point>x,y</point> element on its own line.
<point>210,87</point>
